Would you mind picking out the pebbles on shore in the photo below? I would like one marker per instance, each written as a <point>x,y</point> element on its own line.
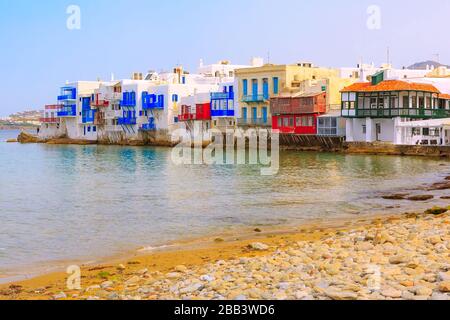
<point>406,258</point>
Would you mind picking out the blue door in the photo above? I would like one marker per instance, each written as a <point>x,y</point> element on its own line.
<point>264,114</point>
<point>254,113</point>
<point>266,88</point>
<point>255,89</point>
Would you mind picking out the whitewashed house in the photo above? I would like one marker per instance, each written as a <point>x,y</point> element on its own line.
<point>375,110</point>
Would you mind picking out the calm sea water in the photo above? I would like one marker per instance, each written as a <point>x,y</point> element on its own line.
<point>60,203</point>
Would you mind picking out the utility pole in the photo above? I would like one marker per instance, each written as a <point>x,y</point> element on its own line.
<point>388,56</point>
<point>438,57</point>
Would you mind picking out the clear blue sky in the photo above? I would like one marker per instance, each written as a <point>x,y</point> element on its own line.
<point>38,53</point>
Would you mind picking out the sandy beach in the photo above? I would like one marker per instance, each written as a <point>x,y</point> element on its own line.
<point>401,257</point>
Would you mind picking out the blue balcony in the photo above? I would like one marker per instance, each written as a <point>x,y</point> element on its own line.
<point>88,116</point>
<point>67,111</point>
<point>68,94</point>
<point>150,126</point>
<point>222,113</point>
<point>222,96</point>
<point>151,101</point>
<point>126,121</point>
<point>255,98</point>
<point>128,100</point>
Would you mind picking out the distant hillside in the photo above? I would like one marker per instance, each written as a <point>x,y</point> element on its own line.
<point>423,65</point>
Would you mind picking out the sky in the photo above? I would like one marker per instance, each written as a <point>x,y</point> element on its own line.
<point>39,53</point>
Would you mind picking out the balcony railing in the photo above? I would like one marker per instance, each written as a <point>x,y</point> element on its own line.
<point>49,120</point>
<point>99,104</point>
<point>194,116</point>
<point>222,113</point>
<point>296,106</point>
<point>222,96</point>
<point>259,122</point>
<point>68,111</point>
<point>53,107</point>
<point>127,121</point>
<point>255,98</point>
<point>420,113</point>
<point>148,127</point>
<point>152,105</point>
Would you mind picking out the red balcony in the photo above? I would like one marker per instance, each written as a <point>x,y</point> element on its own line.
<point>49,120</point>
<point>201,112</point>
<point>53,107</point>
<point>313,103</point>
<point>99,103</point>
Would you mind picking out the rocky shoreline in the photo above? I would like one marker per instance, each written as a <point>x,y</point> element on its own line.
<point>405,257</point>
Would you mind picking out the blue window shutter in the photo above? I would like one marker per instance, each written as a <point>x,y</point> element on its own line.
<point>245,87</point>
<point>275,85</point>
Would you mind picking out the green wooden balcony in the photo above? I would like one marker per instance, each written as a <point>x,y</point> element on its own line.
<point>420,113</point>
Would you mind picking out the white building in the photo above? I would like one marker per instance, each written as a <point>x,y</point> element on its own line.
<point>374,110</point>
<point>143,108</point>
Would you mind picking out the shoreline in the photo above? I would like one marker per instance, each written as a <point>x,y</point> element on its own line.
<point>28,273</point>
<point>160,265</point>
<point>361,148</point>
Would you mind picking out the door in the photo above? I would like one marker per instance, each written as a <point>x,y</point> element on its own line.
<point>378,131</point>
<point>255,89</point>
<point>244,113</point>
<point>264,114</point>
<point>266,89</point>
<point>254,114</point>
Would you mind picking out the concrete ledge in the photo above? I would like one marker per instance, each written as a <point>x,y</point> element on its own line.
<point>399,150</point>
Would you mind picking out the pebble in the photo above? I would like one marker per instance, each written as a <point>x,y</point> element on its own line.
<point>444,286</point>
<point>60,296</point>
<point>106,284</point>
<point>391,293</point>
<point>400,259</point>
<point>259,246</point>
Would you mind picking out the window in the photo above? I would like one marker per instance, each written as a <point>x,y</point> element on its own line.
<point>298,121</point>
<point>280,122</point>
<point>266,88</point>
<point>393,102</point>
<point>245,87</point>
<point>94,129</point>
<point>364,129</point>
<point>414,102</point>
<point>285,122</point>
<point>275,85</point>
<point>421,102</point>
<point>174,98</point>
<point>416,131</point>
<point>291,121</point>
<point>405,102</point>
<point>89,128</point>
<point>429,102</point>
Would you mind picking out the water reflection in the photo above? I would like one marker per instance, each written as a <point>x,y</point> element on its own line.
<point>70,202</point>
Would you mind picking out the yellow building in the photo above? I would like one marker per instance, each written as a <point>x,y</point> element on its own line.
<point>257,85</point>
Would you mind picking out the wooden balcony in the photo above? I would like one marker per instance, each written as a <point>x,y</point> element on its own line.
<point>299,105</point>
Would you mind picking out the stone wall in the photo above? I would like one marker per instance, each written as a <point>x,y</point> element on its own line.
<point>311,143</point>
<point>399,150</point>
